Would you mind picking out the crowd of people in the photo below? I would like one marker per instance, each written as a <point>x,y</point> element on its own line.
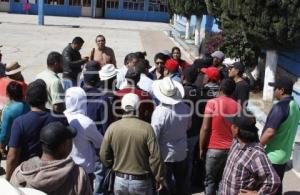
<point>85,127</point>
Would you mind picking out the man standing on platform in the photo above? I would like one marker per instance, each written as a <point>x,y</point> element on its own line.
<point>102,54</point>
<point>72,62</point>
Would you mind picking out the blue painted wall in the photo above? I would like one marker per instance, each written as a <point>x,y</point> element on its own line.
<point>208,23</point>
<point>75,11</point>
<point>290,61</point>
<point>136,15</point>
<point>54,10</point>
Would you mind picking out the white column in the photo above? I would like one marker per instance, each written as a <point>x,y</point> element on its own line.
<point>197,30</point>
<point>270,72</point>
<point>187,29</point>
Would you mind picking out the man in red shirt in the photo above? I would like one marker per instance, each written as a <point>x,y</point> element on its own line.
<point>146,106</point>
<point>216,136</point>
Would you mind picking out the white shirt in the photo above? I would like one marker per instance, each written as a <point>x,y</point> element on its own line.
<point>121,81</point>
<point>170,124</point>
<point>145,83</point>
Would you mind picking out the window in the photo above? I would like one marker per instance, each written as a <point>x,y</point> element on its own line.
<point>5,1</point>
<point>158,6</point>
<point>99,3</point>
<point>75,2</point>
<point>137,5</point>
<point>112,4</point>
<point>86,3</point>
<point>32,1</point>
<point>54,2</point>
<point>22,1</point>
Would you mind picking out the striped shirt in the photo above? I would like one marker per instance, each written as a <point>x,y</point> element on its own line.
<point>249,168</point>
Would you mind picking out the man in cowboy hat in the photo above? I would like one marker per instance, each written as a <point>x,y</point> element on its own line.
<point>13,73</point>
<point>170,120</point>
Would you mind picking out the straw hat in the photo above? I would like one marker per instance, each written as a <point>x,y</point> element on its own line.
<point>13,68</point>
<point>168,91</point>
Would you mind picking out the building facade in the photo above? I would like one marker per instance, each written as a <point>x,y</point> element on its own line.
<point>145,10</point>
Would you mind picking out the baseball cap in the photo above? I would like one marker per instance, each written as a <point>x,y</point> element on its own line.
<point>56,133</point>
<point>212,73</point>
<point>244,120</point>
<point>238,66</point>
<point>218,54</point>
<point>171,65</point>
<point>130,102</point>
<point>283,83</point>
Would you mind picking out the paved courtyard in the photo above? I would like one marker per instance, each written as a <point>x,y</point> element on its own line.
<point>29,44</point>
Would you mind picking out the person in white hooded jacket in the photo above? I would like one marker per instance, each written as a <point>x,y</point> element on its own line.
<point>88,138</point>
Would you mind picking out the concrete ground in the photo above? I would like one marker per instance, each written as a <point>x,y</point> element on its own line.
<point>29,44</point>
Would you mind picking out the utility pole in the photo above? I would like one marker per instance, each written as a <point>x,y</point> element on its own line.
<point>41,12</point>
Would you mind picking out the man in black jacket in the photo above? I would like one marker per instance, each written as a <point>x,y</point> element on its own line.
<point>72,62</point>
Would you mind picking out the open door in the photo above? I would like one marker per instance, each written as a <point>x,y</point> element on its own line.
<point>4,5</point>
<point>92,8</point>
<point>99,9</point>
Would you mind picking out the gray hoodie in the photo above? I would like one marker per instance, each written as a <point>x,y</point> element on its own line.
<point>60,177</point>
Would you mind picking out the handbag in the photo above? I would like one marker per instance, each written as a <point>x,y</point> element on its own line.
<point>108,182</point>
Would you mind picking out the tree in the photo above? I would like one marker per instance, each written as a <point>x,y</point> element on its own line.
<point>182,8</point>
<point>197,8</point>
<point>272,25</point>
<point>171,8</point>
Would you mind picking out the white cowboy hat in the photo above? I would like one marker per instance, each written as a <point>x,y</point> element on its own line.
<point>13,68</point>
<point>107,71</point>
<point>168,91</point>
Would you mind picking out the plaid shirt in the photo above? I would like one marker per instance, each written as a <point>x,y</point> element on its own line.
<point>249,168</point>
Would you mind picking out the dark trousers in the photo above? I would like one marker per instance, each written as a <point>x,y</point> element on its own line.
<point>215,162</point>
<point>91,179</point>
<point>280,170</point>
<point>178,171</point>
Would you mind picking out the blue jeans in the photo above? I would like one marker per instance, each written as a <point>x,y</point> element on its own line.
<point>215,162</point>
<point>68,83</point>
<point>177,170</point>
<point>132,187</point>
<point>99,176</point>
<point>191,142</point>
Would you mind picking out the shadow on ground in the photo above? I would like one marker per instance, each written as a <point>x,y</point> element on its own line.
<point>292,193</point>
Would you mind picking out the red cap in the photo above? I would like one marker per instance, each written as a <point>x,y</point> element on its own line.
<point>171,65</point>
<point>212,73</point>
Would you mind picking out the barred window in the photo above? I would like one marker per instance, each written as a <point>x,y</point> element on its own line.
<point>137,5</point>
<point>74,2</point>
<point>158,6</point>
<point>86,3</point>
<point>112,4</point>
<point>99,3</point>
<point>54,2</point>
